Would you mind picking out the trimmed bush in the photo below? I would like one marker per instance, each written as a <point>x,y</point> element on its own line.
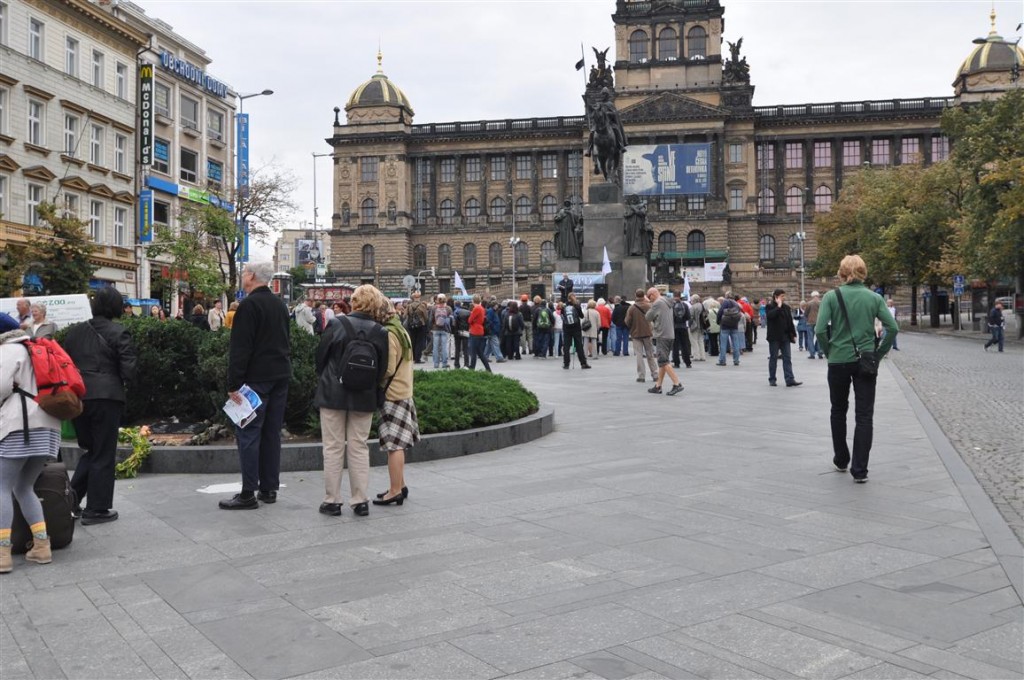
<point>448,401</point>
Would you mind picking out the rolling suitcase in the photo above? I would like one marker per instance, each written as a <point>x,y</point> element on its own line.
<point>53,488</point>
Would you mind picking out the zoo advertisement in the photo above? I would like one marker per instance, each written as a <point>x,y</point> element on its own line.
<point>667,169</point>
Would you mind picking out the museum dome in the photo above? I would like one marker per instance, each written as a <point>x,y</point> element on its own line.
<point>992,54</point>
<point>378,91</point>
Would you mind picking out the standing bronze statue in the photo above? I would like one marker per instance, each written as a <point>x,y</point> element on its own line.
<point>638,231</point>
<point>568,232</point>
<point>607,137</point>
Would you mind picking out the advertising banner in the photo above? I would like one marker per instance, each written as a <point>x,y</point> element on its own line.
<point>713,271</point>
<point>243,250</point>
<point>582,283</point>
<point>62,310</point>
<point>667,169</point>
<point>243,154</point>
<point>146,216</point>
<point>306,248</point>
<point>146,115</point>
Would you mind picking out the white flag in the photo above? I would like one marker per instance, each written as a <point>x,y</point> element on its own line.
<point>459,285</point>
<point>606,266</point>
<point>686,287</point>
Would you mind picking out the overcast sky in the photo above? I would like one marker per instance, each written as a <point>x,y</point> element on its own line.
<point>487,59</point>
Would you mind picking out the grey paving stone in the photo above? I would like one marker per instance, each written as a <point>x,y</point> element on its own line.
<point>609,666</point>
<point>697,662</point>
<point>204,586</point>
<point>560,637</point>
<point>281,643</point>
<point>93,649</point>
<point>780,648</point>
<point>885,671</point>
<point>704,557</point>
<point>395,605</point>
<point>846,565</point>
<point>1001,646</point>
<point>981,581</point>
<point>940,541</point>
<point>844,628</point>
<point>57,605</point>
<point>429,624</point>
<point>562,670</point>
<point>28,639</point>
<point>609,531</point>
<point>967,667</point>
<point>530,581</point>
<point>434,661</point>
<point>12,662</point>
<point>995,601</point>
<point>197,656</point>
<point>572,594</point>
<point>924,579</point>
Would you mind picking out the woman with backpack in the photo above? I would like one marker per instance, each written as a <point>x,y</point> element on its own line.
<point>512,328</point>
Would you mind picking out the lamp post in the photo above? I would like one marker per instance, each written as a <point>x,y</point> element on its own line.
<point>242,169</point>
<point>513,242</point>
<point>802,236</point>
<point>316,233</point>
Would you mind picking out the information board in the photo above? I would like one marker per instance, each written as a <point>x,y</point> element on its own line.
<point>667,169</point>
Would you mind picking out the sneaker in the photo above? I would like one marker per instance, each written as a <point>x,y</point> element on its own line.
<point>719,363</point>
<point>772,383</point>
<point>676,389</point>
<point>861,480</point>
<point>655,390</point>
<point>586,366</point>
<point>640,380</point>
<point>838,469</point>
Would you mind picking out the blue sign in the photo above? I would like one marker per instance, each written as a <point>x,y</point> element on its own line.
<point>243,154</point>
<point>214,171</point>
<point>243,248</point>
<point>192,73</point>
<point>667,169</point>
<point>146,216</point>
<point>958,280</point>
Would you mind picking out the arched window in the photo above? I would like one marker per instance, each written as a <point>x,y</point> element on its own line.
<point>346,213</point>
<point>522,255</point>
<point>547,253</point>
<point>794,248</point>
<point>444,256</point>
<point>667,242</point>
<point>368,212</point>
<point>766,248</point>
<point>368,257</point>
<point>695,241</point>
<point>392,212</point>
<point>498,209</point>
<point>638,47</point>
<point>766,202</point>
<point>794,198</point>
<point>548,207</point>
<point>494,256</point>
<point>469,256</point>
<point>523,206</point>
<point>823,199</point>
<point>419,257</point>
<point>697,43</point>
<point>446,211</point>
<point>422,210</point>
<point>472,208</point>
<point>668,44</point>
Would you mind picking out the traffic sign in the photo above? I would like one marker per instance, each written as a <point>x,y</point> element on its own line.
<point>409,281</point>
<point>958,280</point>
<point>958,290</point>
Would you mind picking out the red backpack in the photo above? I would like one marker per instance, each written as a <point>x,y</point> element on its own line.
<point>59,385</point>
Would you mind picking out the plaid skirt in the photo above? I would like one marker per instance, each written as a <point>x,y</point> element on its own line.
<point>398,428</point>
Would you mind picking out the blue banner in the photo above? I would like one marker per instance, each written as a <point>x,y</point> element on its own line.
<point>145,216</point>
<point>243,247</point>
<point>667,169</point>
<point>243,154</point>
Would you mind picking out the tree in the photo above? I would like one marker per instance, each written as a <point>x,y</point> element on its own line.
<point>14,261</point>
<point>62,257</point>
<point>191,260</point>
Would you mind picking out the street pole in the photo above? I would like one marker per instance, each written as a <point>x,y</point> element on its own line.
<point>238,158</point>
<point>513,242</point>
<point>802,237</point>
<point>316,231</point>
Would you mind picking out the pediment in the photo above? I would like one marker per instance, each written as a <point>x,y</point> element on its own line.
<point>39,172</point>
<point>124,197</point>
<point>101,190</point>
<point>75,182</point>
<point>671,106</point>
<point>8,164</point>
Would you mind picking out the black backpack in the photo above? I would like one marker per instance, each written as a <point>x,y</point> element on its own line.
<point>680,313</point>
<point>58,500</point>
<point>415,316</point>
<point>357,370</point>
<point>731,316</point>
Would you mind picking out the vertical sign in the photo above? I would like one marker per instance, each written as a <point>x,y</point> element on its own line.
<point>146,216</point>
<point>146,115</point>
<point>243,246</point>
<point>243,155</point>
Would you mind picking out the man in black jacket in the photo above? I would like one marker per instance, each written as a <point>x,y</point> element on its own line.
<point>346,411</point>
<point>781,334</point>
<point>620,331</point>
<point>259,356</point>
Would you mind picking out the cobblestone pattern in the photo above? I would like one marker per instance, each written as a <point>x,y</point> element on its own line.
<point>978,399</point>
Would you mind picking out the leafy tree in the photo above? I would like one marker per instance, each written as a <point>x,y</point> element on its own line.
<point>62,257</point>
<point>299,274</point>
<point>190,259</point>
<point>15,261</point>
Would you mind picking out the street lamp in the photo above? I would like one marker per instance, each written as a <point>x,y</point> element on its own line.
<point>512,243</point>
<point>802,236</point>
<point>242,169</point>
<point>316,233</point>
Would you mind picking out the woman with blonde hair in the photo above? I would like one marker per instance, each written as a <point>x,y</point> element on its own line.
<point>399,428</point>
<point>229,318</point>
<point>591,334</point>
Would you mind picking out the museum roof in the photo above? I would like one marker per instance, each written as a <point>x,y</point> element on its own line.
<point>992,53</point>
<point>378,91</point>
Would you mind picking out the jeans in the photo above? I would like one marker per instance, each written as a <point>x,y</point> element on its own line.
<point>775,348</point>
<point>811,343</point>
<point>840,376</point>
<point>996,339</point>
<point>461,349</point>
<point>556,342</point>
<point>494,347</point>
<point>97,437</point>
<point>620,343</point>
<point>734,337</point>
<point>801,332</point>
<point>541,342</point>
<point>477,350</point>
<point>259,442</point>
<point>441,348</point>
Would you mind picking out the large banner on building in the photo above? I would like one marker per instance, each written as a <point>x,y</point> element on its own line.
<point>307,250</point>
<point>146,115</point>
<point>146,216</point>
<point>582,283</point>
<point>667,169</point>
<point>243,154</point>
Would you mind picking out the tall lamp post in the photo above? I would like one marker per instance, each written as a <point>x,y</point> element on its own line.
<point>513,242</point>
<point>242,169</point>
<point>318,260</point>
<point>802,236</point>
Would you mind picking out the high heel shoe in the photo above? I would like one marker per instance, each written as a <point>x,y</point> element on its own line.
<point>397,499</point>
<point>405,493</point>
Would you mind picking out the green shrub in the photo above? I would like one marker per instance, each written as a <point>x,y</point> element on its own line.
<point>448,401</point>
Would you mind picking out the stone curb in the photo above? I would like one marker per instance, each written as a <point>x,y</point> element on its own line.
<point>308,456</point>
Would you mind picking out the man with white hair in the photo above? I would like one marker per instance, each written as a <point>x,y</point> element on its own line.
<point>813,348</point>
<point>259,356</point>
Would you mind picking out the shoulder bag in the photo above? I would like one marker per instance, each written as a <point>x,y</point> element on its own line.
<point>867,362</point>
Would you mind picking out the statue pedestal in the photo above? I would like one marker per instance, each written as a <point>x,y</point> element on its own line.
<point>603,226</point>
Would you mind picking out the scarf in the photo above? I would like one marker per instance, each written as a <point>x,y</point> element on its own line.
<point>394,326</point>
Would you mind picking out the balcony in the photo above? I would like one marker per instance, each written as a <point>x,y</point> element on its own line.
<point>702,255</point>
<point>930,106</point>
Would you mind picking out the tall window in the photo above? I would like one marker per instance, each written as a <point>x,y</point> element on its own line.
<point>498,209</point>
<point>120,226</point>
<point>696,203</point>
<point>70,134</point>
<point>822,199</point>
<point>446,211</point>
<point>766,248</point>
<point>36,113</point>
<point>879,152</point>
<point>35,39</point>
<point>474,169</point>
<point>120,153</point>
<point>121,81</point>
<point>910,151</point>
<point>96,145</point>
<point>444,256</point>
<point>472,208</point>
<point>423,171</point>
<point>575,167</point>
<point>5,18</point>
<point>97,68</point>
<point>735,152</point>
<point>369,167</point>
<point>162,156</point>
<point>696,242</point>
<point>697,43</point>
<point>667,242</point>
<point>522,255</point>
<point>794,155</point>
<point>498,167</point>
<point>4,102</point>
<point>547,253</point>
<point>469,256</point>
<point>71,57</point>
<point>736,199</point>
<point>523,206</point>
<point>549,166</point>
<point>766,156</point>
<point>940,148</point>
<point>368,211</point>
<point>161,213</point>
<point>851,153</point>
<point>189,113</point>
<point>162,99</point>
<point>71,205</point>
<point>666,203</point>
<point>419,256</point>
<point>524,166</point>
<point>548,207</point>
<point>3,195</point>
<point>794,201</point>
<point>367,257</point>
<point>33,197</point>
<point>766,202</point>
<point>494,256</point>
<point>794,248</point>
<point>447,170</point>
<point>638,47</point>
<point>189,165</point>
<point>823,154</point>
<point>96,221</point>
<point>215,124</point>
<point>668,44</point>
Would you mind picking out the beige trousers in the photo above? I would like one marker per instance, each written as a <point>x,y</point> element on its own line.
<point>697,345</point>
<point>339,428</point>
<point>643,346</point>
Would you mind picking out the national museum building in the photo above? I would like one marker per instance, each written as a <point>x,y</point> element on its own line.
<point>469,196</point>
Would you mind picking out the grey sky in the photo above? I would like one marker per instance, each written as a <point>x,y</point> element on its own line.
<point>480,59</point>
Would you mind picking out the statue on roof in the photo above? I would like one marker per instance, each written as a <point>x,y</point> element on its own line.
<point>736,69</point>
<point>601,74</point>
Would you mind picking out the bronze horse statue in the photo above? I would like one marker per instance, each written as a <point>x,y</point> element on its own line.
<point>606,147</point>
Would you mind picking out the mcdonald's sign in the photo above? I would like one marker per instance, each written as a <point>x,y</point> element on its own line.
<point>146,115</point>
